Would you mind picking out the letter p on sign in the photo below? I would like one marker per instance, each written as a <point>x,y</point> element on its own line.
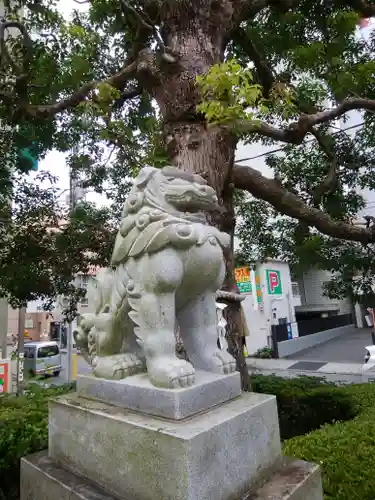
<point>274,282</point>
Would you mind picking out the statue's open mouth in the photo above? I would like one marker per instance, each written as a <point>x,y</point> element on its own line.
<point>193,201</point>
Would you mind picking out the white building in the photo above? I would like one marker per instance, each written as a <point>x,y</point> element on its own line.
<point>271,301</point>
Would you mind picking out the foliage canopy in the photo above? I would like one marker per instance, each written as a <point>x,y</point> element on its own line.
<point>113,85</point>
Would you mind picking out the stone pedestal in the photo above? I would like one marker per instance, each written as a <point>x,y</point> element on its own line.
<point>138,394</point>
<point>101,450</point>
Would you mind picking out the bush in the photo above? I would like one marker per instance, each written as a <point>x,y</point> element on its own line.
<point>306,403</point>
<point>345,450</point>
<point>23,430</point>
<point>263,353</point>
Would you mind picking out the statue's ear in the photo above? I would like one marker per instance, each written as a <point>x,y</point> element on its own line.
<point>169,171</point>
<point>144,176</point>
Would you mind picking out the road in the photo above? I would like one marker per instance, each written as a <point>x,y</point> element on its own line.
<point>82,367</point>
<point>349,348</point>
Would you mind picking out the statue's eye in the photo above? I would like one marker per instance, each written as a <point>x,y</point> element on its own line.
<point>170,179</point>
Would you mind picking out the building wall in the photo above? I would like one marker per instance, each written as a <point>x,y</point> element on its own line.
<point>312,297</point>
<point>37,324</point>
<point>271,310</point>
<point>82,281</point>
<point>12,322</point>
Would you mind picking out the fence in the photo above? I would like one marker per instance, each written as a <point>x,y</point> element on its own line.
<point>306,327</point>
<point>316,325</point>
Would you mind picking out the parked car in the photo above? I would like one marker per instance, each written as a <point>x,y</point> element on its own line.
<point>42,358</point>
<point>369,358</point>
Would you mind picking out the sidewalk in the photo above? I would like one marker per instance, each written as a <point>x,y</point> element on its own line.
<point>347,348</point>
<point>340,373</point>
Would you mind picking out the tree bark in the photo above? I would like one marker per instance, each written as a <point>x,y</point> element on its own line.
<point>198,41</point>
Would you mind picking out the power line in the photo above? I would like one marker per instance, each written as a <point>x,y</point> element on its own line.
<point>284,147</point>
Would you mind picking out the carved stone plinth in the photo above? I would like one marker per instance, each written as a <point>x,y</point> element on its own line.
<point>104,452</point>
<point>215,455</point>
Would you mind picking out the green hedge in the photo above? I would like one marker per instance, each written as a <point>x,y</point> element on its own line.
<point>345,450</point>
<point>306,403</point>
<point>23,430</point>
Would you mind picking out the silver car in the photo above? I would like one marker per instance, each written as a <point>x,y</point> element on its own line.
<point>42,358</point>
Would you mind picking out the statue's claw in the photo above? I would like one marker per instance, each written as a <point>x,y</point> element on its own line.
<point>171,373</point>
<point>118,366</point>
<point>221,362</point>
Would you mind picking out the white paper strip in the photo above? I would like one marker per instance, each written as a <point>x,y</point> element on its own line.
<point>254,289</point>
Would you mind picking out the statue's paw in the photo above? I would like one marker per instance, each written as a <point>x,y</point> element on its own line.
<point>222,362</point>
<point>171,373</point>
<point>118,366</point>
<point>128,364</point>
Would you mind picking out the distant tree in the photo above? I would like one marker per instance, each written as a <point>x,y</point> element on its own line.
<point>43,246</point>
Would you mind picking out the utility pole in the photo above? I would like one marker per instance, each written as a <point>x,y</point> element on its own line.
<point>21,349</point>
<point>69,345</point>
<point>74,196</point>
<point>4,327</point>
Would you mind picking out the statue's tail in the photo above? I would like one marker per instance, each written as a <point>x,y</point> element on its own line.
<point>98,294</point>
<point>81,338</point>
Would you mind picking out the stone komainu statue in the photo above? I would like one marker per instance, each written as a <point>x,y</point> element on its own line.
<point>167,265</point>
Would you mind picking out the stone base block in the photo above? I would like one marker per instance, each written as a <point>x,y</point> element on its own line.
<point>137,393</point>
<point>292,480</point>
<point>42,479</point>
<point>217,455</point>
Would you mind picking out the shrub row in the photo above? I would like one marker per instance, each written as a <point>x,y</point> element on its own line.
<point>346,450</point>
<point>23,430</point>
<point>306,403</point>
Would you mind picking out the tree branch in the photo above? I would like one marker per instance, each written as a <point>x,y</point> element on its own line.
<point>296,131</point>
<point>117,81</point>
<point>144,21</point>
<point>249,179</point>
<point>248,9</point>
<point>27,43</point>
<point>22,74</point>
<point>265,74</point>
<point>365,8</point>
<point>126,95</point>
<point>140,62</point>
<point>330,180</point>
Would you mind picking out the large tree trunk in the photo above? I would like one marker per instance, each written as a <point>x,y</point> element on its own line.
<point>197,37</point>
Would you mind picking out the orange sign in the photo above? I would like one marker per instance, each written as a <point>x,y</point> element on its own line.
<point>4,376</point>
<point>242,274</point>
